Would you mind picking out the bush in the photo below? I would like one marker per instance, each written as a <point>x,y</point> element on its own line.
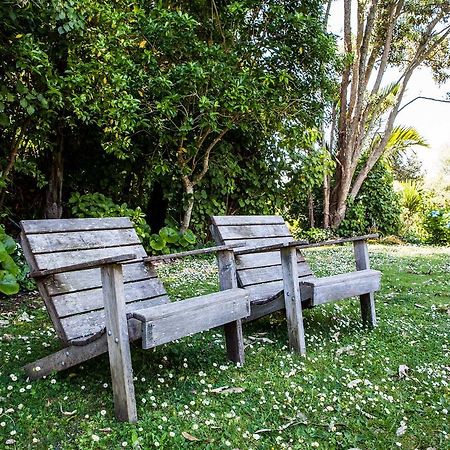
<point>9,270</point>
<point>168,240</point>
<point>437,226</point>
<point>310,235</point>
<point>98,205</point>
<point>376,207</point>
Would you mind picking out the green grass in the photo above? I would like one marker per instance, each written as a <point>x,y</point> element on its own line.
<point>345,394</point>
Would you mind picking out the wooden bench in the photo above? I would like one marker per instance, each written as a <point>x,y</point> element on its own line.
<point>272,269</point>
<point>101,291</point>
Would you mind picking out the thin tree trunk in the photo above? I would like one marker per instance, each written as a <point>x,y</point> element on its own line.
<point>54,208</point>
<point>311,210</point>
<point>326,201</point>
<point>189,191</point>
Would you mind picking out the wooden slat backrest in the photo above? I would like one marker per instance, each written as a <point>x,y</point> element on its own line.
<point>74,299</point>
<point>257,270</point>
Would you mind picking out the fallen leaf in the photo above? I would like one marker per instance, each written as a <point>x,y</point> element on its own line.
<point>105,430</point>
<point>401,430</point>
<point>354,383</point>
<point>4,323</point>
<point>402,371</point>
<point>261,339</point>
<point>227,390</point>
<point>24,317</point>
<point>347,349</point>
<point>67,413</point>
<point>189,437</point>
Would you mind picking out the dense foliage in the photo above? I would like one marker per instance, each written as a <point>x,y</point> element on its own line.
<point>180,108</point>
<point>9,270</point>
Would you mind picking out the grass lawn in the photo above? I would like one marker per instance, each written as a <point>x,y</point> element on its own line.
<point>347,392</point>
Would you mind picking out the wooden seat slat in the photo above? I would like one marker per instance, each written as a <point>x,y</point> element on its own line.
<point>66,241</point>
<point>55,260</point>
<point>247,220</point>
<point>88,279</point>
<point>189,304</point>
<point>92,299</point>
<point>267,259</point>
<point>257,275</point>
<point>61,225</point>
<point>254,231</point>
<point>92,322</point>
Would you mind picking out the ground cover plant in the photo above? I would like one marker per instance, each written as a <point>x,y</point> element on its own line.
<point>355,389</point>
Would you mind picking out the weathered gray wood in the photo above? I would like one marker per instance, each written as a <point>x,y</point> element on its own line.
<point>92,299</point>
<point>292,300</point>
<point>258,275</point>
<point>200,251</point>
<point>336,287</point>
<point>233,331</point>
<point>61,225</point>
<point>83,325</point>
<point>57,260</point>
<point>268,245</point>
<point>42,287</point>
<point>82,266</point>
<point>118,343</point>
<point>194,303</point>
<point>255,260</point>
<point>367,300</point>
<point>246,220</point>
<point>255,243</point>
<point>191,319</point>
<point>258,267</point>
<point>74,355</point>
<point>68,282</point>
<point>64,241</point>
<point>301,245</point>
<point>254,231</point>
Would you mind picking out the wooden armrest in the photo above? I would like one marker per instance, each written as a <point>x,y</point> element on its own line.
<point>270,247</point>
<point>303,244</point>
<point>200,251</point>
<point>82,266</point>
<point>341,241</point>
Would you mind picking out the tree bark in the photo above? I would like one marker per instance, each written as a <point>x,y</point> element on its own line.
<point>54,207</point>
<point>311,210</point>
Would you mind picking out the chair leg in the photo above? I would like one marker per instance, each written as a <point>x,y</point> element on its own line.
<point>118,343</point>
<point>368,313</point>
<point>292,300</point>
<point>235,341</point>
<point>367,301</point>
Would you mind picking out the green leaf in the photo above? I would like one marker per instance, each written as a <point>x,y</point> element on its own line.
<point>189,236</point>
<point>8,283</point>
<point>169,235</point>
<point>157,243</point>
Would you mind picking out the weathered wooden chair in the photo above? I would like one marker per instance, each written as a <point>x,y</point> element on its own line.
<point>101,291</point>
<point>274,272</point>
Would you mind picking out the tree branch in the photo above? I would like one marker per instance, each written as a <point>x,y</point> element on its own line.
<point>421,97</point>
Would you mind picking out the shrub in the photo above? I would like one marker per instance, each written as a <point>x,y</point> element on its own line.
<point>168,240</point>
<point>9,270</point>
<point>376,207</point>
<point>310,235</point>
<point>98,205</point>
<point>437,226</point>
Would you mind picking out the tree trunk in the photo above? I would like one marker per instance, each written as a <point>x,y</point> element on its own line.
<point>311,210</point>
<point>54,207</point>
<point>326,201</point>
<point>189,191</point>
